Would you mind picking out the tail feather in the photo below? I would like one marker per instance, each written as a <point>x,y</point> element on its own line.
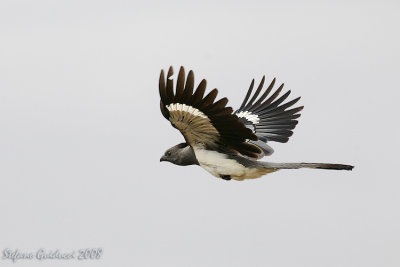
<point>327,166</point>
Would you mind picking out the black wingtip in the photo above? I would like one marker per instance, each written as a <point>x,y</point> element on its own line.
<point>162,80</point>
<point>170,72</point>
<point>161,86</point>
<point>262,81</point>
<point>247,95</point>
<point>180,84</point>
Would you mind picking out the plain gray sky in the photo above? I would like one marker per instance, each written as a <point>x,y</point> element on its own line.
<point>81,133</point>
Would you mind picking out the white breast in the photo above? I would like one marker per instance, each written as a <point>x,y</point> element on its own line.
<point>218,164</point>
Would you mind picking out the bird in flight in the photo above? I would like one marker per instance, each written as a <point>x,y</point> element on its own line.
<point>229,144</point>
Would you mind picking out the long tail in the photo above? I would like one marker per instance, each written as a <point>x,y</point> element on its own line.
<point>327,166</point>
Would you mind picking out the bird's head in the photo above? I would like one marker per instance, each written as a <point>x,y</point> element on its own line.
<point>181,154</point>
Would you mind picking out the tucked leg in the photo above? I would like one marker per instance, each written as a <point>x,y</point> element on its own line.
<point>225,177</point>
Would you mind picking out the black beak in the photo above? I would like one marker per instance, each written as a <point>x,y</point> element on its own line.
<point>163,158</point>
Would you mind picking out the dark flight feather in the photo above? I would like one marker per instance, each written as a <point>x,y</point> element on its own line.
<point>260,86</point>
<point>269,117</point>
<point>222,127</point>
<point>247,95</point>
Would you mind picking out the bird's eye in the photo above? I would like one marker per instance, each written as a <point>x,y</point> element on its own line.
<point>168,153</point>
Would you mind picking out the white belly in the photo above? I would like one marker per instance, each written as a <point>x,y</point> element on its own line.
<point>219,164</point>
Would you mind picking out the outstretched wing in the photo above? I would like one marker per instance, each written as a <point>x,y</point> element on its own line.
<point>202,120</point>
<point>269,117</point>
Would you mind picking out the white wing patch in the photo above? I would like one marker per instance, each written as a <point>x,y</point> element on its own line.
<point>249,116</point>
<point>186,108</point>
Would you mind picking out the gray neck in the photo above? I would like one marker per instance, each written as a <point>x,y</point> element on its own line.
<point>187,156</point>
